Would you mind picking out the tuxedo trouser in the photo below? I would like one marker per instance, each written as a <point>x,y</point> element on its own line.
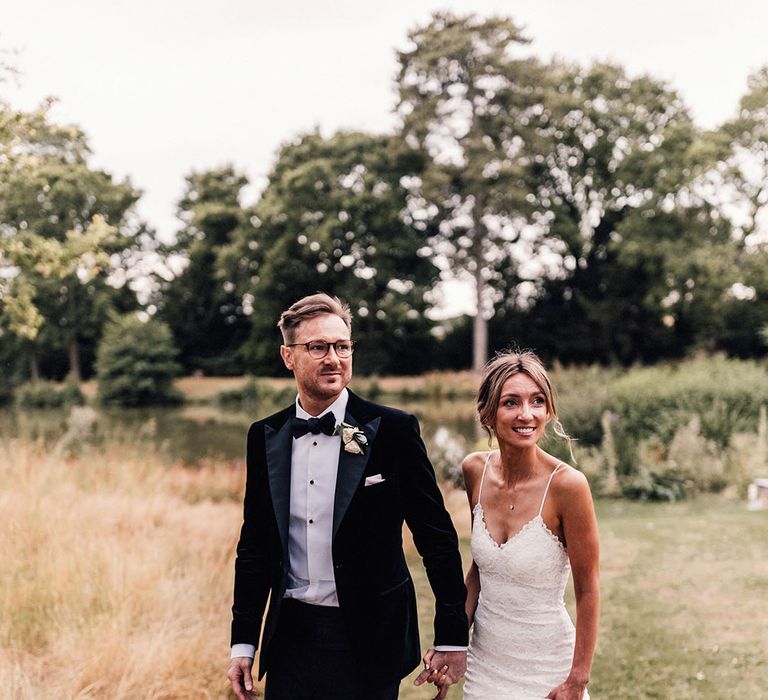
<point>311,658</point>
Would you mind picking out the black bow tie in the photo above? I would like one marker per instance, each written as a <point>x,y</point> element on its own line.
<point>325,424</point>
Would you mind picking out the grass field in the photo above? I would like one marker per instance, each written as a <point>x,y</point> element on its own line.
<point>116,581</point>
<point>684,593</point>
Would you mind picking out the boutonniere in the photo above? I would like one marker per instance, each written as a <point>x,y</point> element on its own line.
<point>353,438</point>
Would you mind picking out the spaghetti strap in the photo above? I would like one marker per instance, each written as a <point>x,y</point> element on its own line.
<point>482,478</point>
<point>546,490</point>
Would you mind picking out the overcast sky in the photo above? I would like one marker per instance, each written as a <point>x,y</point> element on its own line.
<point>162,87</point>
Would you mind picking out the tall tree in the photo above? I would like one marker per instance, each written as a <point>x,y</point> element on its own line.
<point>737,182</point>
<point>32,263</point>
<point>466,100</point>
<point>733,179</point>
<point>201,307</point>
<point>50,196</point>
<point>608,148</point>
<point>333,218</point>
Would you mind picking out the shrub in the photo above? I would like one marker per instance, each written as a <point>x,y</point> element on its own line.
<point>43,394</point>
<point>582,397</point>
<point>725,395</point>
<point>136,364</point>
<point>72,394</point>
<point>251,393</point>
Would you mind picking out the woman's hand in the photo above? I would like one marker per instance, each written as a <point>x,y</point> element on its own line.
<point>569,690</point>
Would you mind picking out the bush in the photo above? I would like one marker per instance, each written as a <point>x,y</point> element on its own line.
<point>43,394</point>
<point>582,397</point>
<point>663,432</point>
<point>136,363</point>
<point>251,393</point>
<point>725,395</point>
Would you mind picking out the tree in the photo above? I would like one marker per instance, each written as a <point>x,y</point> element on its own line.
<point>49,197</point>
<point>466,101</point>
<point>201,307</point>
<point>333,218</point>
<point>737,183</point>
<point>730,168</point>
<point>136,363</point>
<point>610,156</point>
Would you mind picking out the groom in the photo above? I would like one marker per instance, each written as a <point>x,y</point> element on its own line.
<point>330,480</point>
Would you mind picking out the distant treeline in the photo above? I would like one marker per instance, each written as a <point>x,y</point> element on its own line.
<point>591,217</point>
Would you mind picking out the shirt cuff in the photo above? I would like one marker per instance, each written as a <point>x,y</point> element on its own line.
<point>448,647</point>
<point>243,650</point>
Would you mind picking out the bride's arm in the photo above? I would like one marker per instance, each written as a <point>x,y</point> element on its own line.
<point>580,532</point>
<point>472,582</point>
<point>470,466</point>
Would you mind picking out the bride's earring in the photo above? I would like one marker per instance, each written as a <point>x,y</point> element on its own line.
<point>491,433</point>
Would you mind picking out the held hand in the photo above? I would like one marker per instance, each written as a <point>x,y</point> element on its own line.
<point>569,690</point>
<point>429,673</point>
<point>239,674</point>
<point>443,668</point>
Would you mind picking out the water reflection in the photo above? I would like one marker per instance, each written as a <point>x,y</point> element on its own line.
<point>204,433</point>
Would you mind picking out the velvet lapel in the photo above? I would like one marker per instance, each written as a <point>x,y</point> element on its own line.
<point>278,448</point>
<point>351,466</point>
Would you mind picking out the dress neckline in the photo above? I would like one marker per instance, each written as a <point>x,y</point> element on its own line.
<point>526,526</point>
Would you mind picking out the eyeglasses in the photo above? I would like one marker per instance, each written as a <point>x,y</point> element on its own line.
<point>319,348</point>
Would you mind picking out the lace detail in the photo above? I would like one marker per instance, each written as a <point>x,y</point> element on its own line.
<point>531,523</point>
<point>522,639</point>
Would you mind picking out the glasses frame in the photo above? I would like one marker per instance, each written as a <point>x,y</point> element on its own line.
<point>327,350</point>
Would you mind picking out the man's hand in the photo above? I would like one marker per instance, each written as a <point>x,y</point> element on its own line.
<point>443,668</point>
<point>239,674</point>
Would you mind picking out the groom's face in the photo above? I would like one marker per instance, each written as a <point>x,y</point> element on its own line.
<point>319,378</point>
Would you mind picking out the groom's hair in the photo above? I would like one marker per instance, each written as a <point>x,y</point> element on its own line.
<point>309,307</point>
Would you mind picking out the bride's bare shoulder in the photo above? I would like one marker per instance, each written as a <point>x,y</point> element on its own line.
<point>473,464</point>
<point>569,483</point>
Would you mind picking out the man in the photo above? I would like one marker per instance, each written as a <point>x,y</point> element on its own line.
<point>330,481</point>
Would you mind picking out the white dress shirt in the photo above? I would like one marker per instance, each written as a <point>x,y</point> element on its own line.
<point>314,466</point>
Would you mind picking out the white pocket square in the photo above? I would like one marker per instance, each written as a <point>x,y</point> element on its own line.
<point>373,480</point>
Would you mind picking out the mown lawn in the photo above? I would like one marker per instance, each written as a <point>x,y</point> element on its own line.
<point>685,588</point>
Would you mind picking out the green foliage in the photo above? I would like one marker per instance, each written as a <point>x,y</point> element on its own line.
<point>48,395</point>
<point>664,432</point>
<point>656,486</point>
<point>205,314</point>
<point>466,102</point>
<point>595,220</point>
<point>64,232</point>
<point>610,153</point>
<point>136,363</point>
<point>254,394</point>
<point>331,220</point>
<point>582,398</point>
<point>725,395</point>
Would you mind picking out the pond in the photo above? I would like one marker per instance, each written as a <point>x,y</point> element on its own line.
<point>204,433</point>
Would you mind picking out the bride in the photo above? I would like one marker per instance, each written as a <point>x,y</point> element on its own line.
<point>533,523</point>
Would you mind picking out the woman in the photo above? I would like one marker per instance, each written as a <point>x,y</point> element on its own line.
<point>533,522</point>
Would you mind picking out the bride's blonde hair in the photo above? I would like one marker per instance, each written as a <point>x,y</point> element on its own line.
<point>506,364</point>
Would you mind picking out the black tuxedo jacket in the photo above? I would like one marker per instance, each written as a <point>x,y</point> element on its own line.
<point>374,587</point>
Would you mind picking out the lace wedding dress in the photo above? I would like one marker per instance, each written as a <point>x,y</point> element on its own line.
<point>522,639</point>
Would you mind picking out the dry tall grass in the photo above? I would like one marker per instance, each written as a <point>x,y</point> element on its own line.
<point>116,576</point>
